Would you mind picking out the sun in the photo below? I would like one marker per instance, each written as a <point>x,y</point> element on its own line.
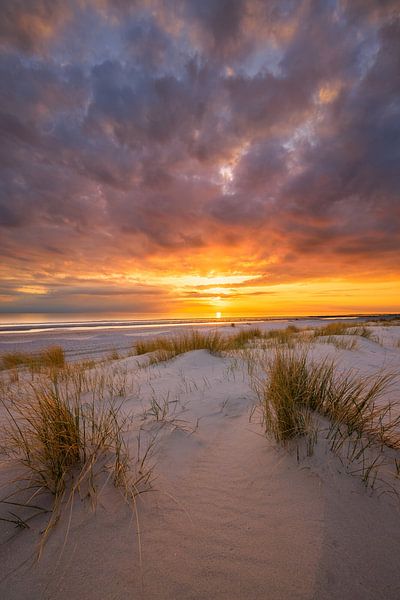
<point>218,315</point>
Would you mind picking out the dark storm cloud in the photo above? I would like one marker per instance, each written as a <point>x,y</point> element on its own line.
<point>349,188</point>
<point>135,129</point>
<point>221,21</point>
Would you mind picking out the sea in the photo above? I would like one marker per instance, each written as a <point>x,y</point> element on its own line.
<point>87,335</point>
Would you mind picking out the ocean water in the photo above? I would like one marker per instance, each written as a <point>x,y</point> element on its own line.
<point>83,335</point>
<point>91,335</point>
<point>30,323</point>
<point>49,321</point>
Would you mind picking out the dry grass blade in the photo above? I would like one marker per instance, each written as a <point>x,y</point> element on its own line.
<point>242,338</point>
<point>333,329</point>
<point>286,412</point>
<point>278,337</point>
<point>296,386</point>
<point>52,357</point>
<point>351,401</point>
<point>341,343</point>
<point>67,442</point>
<point>166,348</point>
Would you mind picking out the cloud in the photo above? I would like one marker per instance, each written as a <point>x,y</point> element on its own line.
<point>242,135</point>
<point>27,25</point>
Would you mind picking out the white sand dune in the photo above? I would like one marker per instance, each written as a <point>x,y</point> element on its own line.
<point>231,515</point>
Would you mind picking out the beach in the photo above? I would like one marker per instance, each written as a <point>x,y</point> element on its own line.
<point>88,338</point>
<point>199,300</point>
<point>228,512</point>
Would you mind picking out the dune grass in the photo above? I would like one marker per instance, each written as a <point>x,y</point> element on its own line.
<point>341,343</point>
<point>242,338</point>
<point>285,410</point>
<point>295,386</point>
<point>286,336</point>
<point>52,357</point>
<point>67,432</point>
<point>343,329</point>
<point>113,355</point>
<point>388,322</point>
<point>166,348</point>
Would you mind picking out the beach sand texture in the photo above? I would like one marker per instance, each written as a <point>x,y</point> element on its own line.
<point>231,515</point>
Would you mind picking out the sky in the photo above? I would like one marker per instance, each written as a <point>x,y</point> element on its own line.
<point>192,157</point>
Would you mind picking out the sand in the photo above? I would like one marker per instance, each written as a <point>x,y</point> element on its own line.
<point>101,341</point>
<point>231,515</point>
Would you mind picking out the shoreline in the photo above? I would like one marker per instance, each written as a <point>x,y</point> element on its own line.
<point>88,324</point>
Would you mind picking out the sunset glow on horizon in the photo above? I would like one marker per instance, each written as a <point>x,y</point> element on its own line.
<point>200,159</point>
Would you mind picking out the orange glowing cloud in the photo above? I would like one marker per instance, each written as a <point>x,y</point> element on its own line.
<point>222,157</point>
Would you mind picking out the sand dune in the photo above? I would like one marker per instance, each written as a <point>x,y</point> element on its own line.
<point>230,514</point>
